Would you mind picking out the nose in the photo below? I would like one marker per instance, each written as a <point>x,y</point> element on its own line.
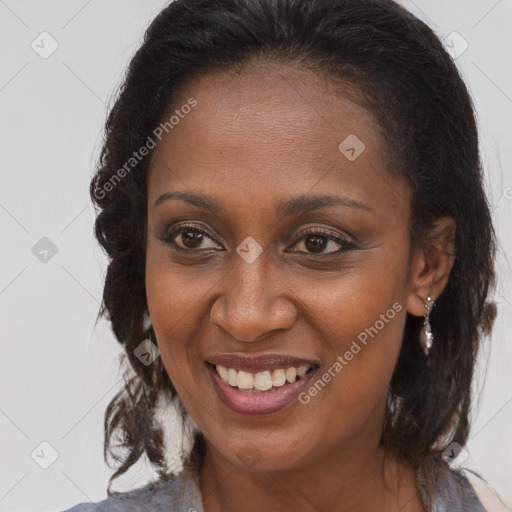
<point>254,303</point>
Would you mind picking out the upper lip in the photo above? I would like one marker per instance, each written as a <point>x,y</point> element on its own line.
<point>258,363</point>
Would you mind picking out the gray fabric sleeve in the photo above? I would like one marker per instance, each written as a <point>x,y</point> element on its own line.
<point>170,494</point>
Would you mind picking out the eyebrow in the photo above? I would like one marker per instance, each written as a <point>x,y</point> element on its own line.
<point>303,204</point>
<point>200,200</point>
<point>295,205</point>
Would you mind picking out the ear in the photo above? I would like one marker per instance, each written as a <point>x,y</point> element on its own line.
<point>431,266</point>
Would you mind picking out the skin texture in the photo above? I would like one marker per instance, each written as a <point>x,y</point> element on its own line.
<point>256,138</point>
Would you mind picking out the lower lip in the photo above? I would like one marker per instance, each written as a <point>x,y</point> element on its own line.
<point>259,403</point>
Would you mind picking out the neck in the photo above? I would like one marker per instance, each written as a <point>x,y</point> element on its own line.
<point>345,480</point>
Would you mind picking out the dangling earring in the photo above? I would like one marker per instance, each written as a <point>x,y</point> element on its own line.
<point>146,322</point>
<point>426,336</point>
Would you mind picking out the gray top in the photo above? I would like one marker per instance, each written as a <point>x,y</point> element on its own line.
<point>182,494</point>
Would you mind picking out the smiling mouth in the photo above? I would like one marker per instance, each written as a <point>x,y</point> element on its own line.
<point>259,385</point>
<point>268,381</point>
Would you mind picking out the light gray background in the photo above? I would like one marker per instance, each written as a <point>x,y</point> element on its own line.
<point>57,370</point>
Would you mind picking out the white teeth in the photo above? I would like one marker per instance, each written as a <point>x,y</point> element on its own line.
<point>232,377</point>
<point>223,372</point>
<point>278,377</point>
<point>261,381</point>
<point>291,373</point>
<point>245,380</point>
<point>302,371</point>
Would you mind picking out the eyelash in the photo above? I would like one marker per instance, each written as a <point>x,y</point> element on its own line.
<point>347,245</point>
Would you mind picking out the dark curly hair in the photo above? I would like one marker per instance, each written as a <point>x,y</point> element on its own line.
<point>426,117</point>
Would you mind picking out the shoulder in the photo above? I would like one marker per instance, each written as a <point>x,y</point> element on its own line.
<point>455,493</point>
<point>169,494</point>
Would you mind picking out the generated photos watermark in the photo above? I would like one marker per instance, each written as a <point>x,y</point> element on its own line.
<point>355,348</point>
<point>143,151</point>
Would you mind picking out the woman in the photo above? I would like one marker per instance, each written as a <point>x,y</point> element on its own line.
<point>290,194</point>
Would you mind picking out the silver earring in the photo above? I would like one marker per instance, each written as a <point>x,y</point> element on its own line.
<point>146,322</point>
<point>426,336</point>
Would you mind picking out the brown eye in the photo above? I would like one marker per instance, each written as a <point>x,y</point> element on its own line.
<point>319,241</point>
<point>189,238</point>
<point>315,243</point>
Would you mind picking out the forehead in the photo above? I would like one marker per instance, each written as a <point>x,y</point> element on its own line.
<point>272,129</point>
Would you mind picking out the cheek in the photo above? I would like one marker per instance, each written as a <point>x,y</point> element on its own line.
<point>366,302</point>
<point>364,354</point>
<point>167,294</point>
<point>359,321</point>
<point>173,290</point>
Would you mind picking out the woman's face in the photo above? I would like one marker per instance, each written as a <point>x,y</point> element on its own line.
<point>287,251</point>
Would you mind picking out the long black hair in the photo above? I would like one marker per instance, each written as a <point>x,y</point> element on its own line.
<point>426,117</point>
